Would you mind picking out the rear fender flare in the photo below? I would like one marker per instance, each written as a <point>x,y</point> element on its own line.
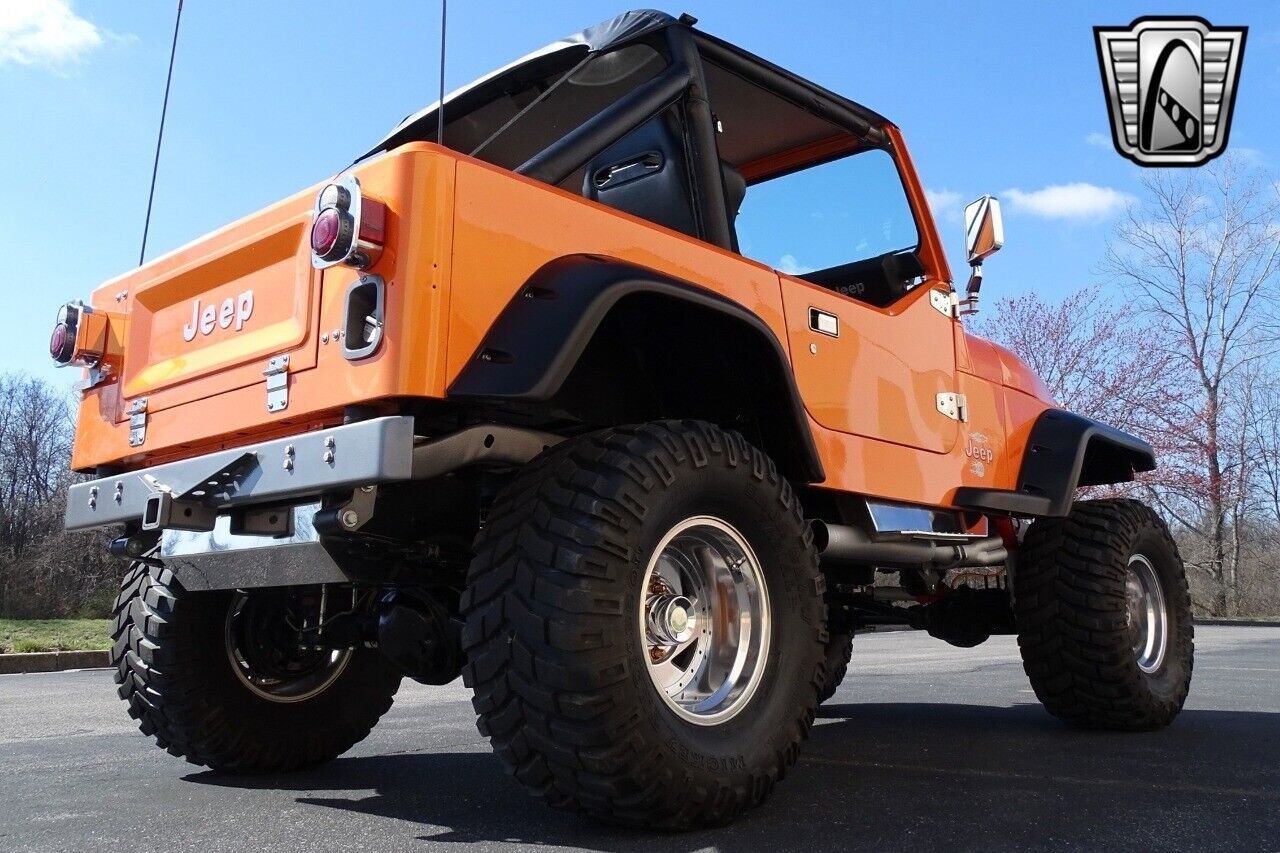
<point>536,341</point>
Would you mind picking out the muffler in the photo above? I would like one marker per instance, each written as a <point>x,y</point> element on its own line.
<point>841,544</point>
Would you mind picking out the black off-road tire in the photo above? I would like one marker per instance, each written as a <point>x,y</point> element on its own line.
<point>175,674</point>
<point>555,651</point>
<point>839,653</point>
<point>1073,626</point>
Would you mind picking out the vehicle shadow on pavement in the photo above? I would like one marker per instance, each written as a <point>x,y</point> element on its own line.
<point>889,777</point>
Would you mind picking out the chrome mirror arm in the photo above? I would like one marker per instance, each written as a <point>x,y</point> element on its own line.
<point>969,305</point>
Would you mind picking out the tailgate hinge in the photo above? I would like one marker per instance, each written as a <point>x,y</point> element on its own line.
<point>945,302</point>
<point>277,374</point>
<point>954,406</point>
<point>138,422</point>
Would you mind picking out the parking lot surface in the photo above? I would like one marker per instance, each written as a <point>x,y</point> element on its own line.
<point>925,747</point>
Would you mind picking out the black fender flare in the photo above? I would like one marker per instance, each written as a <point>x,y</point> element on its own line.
<point>536,341</point>
<point>1064,452</point>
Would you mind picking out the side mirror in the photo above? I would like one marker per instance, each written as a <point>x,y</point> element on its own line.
<point>983,237</point>
<point>983,229</point>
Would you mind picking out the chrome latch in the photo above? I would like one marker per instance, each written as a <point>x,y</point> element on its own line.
<point>954,406</point>
<point>137,422</point>
<point>277,374</point>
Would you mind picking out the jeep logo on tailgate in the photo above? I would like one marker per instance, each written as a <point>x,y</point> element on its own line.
<point>203,320</point>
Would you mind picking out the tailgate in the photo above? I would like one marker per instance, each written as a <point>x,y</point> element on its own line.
<point>207,319</point>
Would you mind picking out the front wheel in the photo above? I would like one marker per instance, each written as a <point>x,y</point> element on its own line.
<point>839,653</point>
<point>644,626</point>
<point>223,679</point>
<point>1104,616</point>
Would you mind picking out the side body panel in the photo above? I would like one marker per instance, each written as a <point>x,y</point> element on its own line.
<point>507,227</point>
<point>493,258</point>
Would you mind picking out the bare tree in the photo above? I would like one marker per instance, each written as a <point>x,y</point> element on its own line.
<point>1199,258</point>
<point>1098,358</point>
<point>1095,357</point>
<point>43,571</point>
<point>35,444</point>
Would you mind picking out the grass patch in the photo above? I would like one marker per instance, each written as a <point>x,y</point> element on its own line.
<point>54,635</point>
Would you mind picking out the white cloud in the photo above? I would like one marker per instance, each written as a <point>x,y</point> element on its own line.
<point>945,204</point>
<point>789,265</point>
<point>1078,201</point>
<point>1098,140</point>
<point>44,32</point>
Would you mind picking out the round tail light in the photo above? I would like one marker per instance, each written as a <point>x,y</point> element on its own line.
<point>62,344</point>
<point>331,233</point>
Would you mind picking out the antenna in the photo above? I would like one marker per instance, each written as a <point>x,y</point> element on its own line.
<point>155,166</point>
<point>444,23</point>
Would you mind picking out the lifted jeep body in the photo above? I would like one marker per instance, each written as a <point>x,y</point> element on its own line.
<point>517,406</point>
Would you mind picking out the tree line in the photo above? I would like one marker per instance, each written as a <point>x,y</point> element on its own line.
<point>1178,343</point>
<point>44,572</point>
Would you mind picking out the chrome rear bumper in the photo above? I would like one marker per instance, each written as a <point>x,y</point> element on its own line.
<point>364,453</point>
<point>251,517</point>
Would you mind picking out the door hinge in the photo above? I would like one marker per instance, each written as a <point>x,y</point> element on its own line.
<point>277,374</point>
<point>945,302</point>
<point>954,406</point>
<point>138,422</point>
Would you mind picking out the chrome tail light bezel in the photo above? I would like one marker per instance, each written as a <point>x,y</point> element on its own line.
<point>364,238</point>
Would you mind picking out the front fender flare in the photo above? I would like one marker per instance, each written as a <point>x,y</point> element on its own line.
<point>1064,452</point>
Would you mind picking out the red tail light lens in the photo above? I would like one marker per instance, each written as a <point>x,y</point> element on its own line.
<point>62,344</point>
<point>324,231</point>
<point>332,234</point>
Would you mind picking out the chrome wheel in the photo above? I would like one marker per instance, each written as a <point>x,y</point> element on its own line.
<point>1148,616</point>
<point>267,655</point>
<point>705,620</point>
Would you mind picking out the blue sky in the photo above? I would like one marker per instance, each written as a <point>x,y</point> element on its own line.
<point>269,98</point>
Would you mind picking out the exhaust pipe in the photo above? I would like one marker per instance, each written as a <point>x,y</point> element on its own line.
<point>840,544</point>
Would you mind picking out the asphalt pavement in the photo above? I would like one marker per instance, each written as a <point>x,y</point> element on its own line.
<point>925,747</point>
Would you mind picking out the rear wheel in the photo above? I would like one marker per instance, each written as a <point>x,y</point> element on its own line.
<point>222,679</point>
<point>644,626</point>
<point>1104,616</point>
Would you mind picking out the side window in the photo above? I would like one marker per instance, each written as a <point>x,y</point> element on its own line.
<point>845,224</point>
